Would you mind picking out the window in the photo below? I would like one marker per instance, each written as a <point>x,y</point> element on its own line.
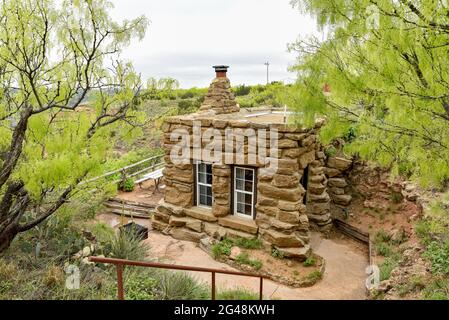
<point>244,192</point>
<point>204,184</point>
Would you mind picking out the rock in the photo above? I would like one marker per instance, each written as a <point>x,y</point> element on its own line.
<point>287,143</point>
<point>343,199</point>
<point>306,158</point>
<point>86,251</point>
<point>158,225</point>
<point>244,225</point>
<point>282,194</point>
<point>337,182</point>
<point>235,251</point>
<point>195,225</point>
<point>286,181</point>
<point>86,261</point>
<point>291,217</point>
<point>339,163</point>
<point>282,240</point>
<point>331,172</point>
<point>206,244</point>
<point>316,188</point>
<point>187,235</point>
<point>338,191</point>
<point>296,253</point>
<point>291,206</point>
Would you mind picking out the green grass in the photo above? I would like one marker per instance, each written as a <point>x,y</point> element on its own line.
<point>388,265</point>
<point>244,243</point>
<point>244,258</point>
<point>223,247</point>
<point>237,294</point>
<point>276,253</point>
<point>309,262</point>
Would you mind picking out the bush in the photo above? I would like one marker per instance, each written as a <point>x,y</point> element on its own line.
<point>179,286</point>
<point>276,253</point>
<point>438,254</point>
<point>253,243</point>
<point>127,185</point>
<point>388,265</point>
<point>437,289</point>
<point>102,232</point>
<point>237,294</point>
<point>383,249</point>
<point>313,277</point>
<point>309,262</point>
<point>222,248</point>
<point>243,258</point>
<point>126,246</point>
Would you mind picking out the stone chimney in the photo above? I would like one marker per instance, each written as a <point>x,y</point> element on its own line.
<point>220,98</point>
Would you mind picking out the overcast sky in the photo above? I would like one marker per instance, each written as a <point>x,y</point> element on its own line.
<point>186,37</point>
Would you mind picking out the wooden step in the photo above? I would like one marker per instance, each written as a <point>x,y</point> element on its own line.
<point>132,203</point>
<point>126,207</point>
<point>133,214</point>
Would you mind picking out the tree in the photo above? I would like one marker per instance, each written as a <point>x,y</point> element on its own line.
<point>53,57</point>
<point>385,63</point>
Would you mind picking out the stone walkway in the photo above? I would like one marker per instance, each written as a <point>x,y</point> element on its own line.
<point>344,277</point>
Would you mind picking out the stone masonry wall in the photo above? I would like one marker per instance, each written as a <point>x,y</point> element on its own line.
<point>282,218</point>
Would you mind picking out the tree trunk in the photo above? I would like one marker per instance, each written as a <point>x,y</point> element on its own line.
<point>7,235</point>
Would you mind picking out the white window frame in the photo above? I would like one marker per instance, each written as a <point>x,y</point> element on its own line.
<point>198,184</point>
<point>235,191</point>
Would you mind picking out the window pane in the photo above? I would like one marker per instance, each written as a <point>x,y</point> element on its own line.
<point>249,175</point>
<point>209,168</point>
<point>239,173</point>
<point>239,184</point>
<point>240,197</point>
<point>248,199</point>
<point>201,168</point>
<point>248,186</point>
<point>201,178</point>
<point>248,209</point>
<point>240,207</point>
<point>209,179</point>
<point>209,201</point>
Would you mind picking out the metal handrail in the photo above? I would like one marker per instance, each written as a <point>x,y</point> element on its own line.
<point>108,174</point>
<point>119,263</point>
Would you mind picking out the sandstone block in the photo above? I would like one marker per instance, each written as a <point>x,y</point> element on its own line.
<point>337,182</point>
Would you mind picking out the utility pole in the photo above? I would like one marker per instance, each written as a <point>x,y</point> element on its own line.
<point>268,65</point>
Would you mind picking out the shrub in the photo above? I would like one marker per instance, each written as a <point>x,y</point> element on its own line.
<point>243,258</point>
<point>309,262</point>
<point>237,294</point>
<point>253,243</point>
<point>140,286</point>
<point>383,249</point>
<point>437,289</point>
<point>102,232</point>
<point>438,254</point>
<point>179,286</point>
<point>388,265</point>
<point>313,277</point>
<point>222,248</point>
<point>127,185</point>
<point>126,246</point>
<point>276,253</point>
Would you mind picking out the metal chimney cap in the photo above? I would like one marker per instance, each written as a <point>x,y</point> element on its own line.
<point>221,68</point>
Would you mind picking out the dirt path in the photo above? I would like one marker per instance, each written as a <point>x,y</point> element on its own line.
<point>344,277</point>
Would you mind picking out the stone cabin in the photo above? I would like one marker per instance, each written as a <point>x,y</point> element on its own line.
<point>238,192</point>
